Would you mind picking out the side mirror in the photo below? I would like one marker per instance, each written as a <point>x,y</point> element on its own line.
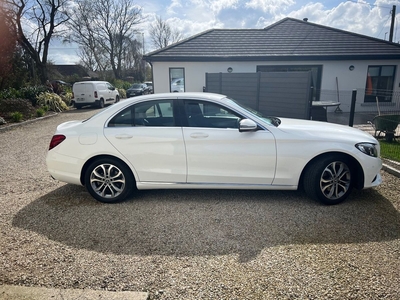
<point>247,125</point>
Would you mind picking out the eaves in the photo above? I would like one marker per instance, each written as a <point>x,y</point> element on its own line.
<point>272,58</point>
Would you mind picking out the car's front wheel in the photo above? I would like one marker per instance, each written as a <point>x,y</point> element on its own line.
<point>329,179</point>
<point>108,180</point>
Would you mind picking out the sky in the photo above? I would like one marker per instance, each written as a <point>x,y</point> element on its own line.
<point>191,17</point>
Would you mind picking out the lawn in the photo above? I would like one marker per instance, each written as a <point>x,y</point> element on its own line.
<point>390,150</point>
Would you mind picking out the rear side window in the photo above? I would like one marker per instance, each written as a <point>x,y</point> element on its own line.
<point>154,113</point>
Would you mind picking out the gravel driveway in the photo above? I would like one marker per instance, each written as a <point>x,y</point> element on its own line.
<point>191,244</point>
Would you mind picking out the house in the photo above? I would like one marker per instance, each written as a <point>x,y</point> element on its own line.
<point>339,61</point>
<point>68,72</point>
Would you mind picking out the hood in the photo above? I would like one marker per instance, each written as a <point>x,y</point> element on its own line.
<point>315,129</point>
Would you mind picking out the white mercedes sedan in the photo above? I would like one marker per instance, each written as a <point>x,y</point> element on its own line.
<point>209,141</point>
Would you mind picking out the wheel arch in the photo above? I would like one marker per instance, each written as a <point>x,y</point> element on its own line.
<point>103,156</point>
<point>354,165</point>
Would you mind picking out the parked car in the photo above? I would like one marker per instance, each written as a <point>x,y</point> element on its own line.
<point>178,85</point>
<point>137,89</point>
<point>209,141</point>
<point>150,85</point>
<point>95,93</point>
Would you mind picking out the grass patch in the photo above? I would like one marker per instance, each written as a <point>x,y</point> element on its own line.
<point>390,150</point>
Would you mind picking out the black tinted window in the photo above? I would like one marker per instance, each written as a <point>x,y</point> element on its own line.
<point>152,113</point>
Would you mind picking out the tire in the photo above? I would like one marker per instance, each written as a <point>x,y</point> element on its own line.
<point>329,179</point>
<point>108,180</point>
<point>101,103</point>
<point>78,106</point>
<point>117,99</point>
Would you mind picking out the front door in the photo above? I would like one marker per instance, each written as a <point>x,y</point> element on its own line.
<point>218,153</point>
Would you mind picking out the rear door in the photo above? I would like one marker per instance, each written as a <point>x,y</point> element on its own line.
<point>83,92</point>
<point>147,135</point>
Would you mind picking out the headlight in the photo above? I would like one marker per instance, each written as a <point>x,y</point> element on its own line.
<point>367,148</point>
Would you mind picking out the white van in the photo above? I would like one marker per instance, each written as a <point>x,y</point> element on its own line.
<point>97,93</point>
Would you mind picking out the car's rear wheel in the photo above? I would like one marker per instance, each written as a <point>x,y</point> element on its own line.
<point>329,179</point>
<point>109,180</point>
<point>117,99</point>
<point>101,103</point>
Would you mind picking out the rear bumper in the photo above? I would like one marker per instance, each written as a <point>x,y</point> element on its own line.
<point>64,168</point>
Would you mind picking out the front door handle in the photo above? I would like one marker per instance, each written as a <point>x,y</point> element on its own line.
<point>199,135</point>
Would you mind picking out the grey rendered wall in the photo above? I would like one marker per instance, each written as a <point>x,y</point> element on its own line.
<point>282,94</point>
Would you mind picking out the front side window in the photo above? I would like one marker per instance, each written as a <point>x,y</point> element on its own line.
<point>379,83</point>
<point>152,113</point>
<point>177,80</point>
<point>206,114</point>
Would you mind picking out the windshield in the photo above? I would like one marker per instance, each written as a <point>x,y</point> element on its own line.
<point>270,120</point>
<point>136,86</point>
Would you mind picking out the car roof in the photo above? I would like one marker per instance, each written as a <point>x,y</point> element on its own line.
<point>166,96</point>
<point>83,82</point>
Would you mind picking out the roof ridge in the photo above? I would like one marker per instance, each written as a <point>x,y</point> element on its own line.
<point>334,29</point>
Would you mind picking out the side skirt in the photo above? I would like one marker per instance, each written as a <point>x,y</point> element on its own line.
<point>170,185</point>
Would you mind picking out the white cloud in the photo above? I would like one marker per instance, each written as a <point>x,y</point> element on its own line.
<point>218,5</point>
<point>270,6</point>
<point>175,4</point>
<point>191,17</point>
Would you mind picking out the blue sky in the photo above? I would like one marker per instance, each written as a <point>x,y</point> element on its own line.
<point>190,17</point>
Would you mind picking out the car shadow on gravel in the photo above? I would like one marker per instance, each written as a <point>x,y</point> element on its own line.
<point>206,223</point>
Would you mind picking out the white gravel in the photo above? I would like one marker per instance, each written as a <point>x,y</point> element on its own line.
<point>191,244</point>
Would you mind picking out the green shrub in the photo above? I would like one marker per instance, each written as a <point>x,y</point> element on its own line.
<point>31,92</point>
<point>40,112</point>
<point>121,84</point>
<point>52,101</point>
<point>17,116</point>
<point>10,93</point>
<point>122,93</point>
<point>67,98</point>
<point>9,106</point>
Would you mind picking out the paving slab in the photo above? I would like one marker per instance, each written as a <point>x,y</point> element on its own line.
<point>12,292</point>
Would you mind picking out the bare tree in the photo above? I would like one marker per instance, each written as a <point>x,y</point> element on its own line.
<point>104,29</point>
<point>162,34</point>
<point>8,46</point>
<point>36,23</point>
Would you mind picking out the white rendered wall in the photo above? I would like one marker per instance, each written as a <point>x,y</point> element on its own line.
<point>332,89</point>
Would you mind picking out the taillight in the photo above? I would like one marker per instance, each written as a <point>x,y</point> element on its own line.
<point>56,140</point>
<point>95,94</point>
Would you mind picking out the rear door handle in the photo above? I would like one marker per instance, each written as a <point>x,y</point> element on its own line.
<point>123,136</point>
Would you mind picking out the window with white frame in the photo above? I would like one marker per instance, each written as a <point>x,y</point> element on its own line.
<point>177,80</point>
